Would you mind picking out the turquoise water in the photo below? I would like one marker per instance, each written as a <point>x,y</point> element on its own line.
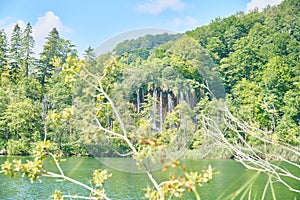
<point>232,181</point>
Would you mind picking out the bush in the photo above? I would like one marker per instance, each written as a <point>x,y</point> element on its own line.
<point>2,144</point>
<point>18,147</point>
<point>74,148</point>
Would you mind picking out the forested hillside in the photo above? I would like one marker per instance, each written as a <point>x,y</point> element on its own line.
<point>143,45</point>
<point>158,82</point>
<point>258,57</point>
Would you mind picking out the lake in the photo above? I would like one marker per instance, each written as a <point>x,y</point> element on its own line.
<point>231,180</point>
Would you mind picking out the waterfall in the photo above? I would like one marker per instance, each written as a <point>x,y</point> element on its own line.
<point>155,101</point>
<point>154,126</point>
<point>187,97</point>
<point>143,96</point>
<point>138,101</point>
<point>194,98</point>
<point>161,109</point>
<point>180,96</point>
<point>170,102</point>
<point>191,97</point>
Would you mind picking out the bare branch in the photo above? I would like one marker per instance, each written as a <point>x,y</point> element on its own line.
<point>250,156</point>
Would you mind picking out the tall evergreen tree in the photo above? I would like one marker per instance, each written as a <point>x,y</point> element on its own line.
<point>27,50</point>
<point>51,49</point>
<point>67,49</point>
<point>15,51</point>
<point>89,56</point>
<point>55,47</point>
<point>3,51</point>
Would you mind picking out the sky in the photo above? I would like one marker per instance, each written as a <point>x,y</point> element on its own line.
<point>92,22</point>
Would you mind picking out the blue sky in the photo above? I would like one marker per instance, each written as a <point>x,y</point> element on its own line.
<point>91,22</point>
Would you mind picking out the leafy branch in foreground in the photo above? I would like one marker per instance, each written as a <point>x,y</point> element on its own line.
<point>35,169</point>
<point>177,186</point>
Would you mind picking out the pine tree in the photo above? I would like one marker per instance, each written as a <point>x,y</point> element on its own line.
<point>89,56</point>
<point>67,49</point>
<point>3,51</point>
<point>51,49</point>
<point>27,50</point>
<point>15,52</point>
<point>55,47</point>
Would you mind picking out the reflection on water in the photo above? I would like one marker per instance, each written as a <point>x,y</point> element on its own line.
<point>121,185</point>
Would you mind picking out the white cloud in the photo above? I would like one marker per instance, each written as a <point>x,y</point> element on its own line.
<point>43,27</point>
<point>261,4</point>
<point>40,29</point>
<point>190,21</point>
<point>10,27</point>
<point>4,20</point>
<point>186,22</point>
<point>157,6</point>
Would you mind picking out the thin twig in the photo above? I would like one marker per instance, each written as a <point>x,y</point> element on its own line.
<point>55,175</point>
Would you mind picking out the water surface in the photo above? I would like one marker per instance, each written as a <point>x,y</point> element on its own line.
<point>232,179</point>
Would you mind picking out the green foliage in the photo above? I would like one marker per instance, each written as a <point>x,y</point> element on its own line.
<point>31,169</point>
<point>177,186</point>
<point>30,88</point>
<point>99,176</point>
<point>21,120</point>
<point>74,147</point>
<point>249,97</point>
<point>18,147</point>
<point>55,48</point>
<point>23,107</point>
<point>258,55</point>
<point>34,169</point>
<point>89,56</point>
<point>255,54</point>
<point>28,59</point>
<point>141,46</point>
<point>3,51</point>
<point>288,128</point>
<point>57,195</point>
<point>15,52</point>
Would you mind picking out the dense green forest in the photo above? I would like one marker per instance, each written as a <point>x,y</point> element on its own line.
<point>158,82</point>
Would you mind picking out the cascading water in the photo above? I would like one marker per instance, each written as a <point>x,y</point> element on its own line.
<point>143,95</point>
<point>154,111</point>
<point>138,101</point>
<point>163,103</point>
<point>170,102</point>
<point>191,98</point>
<point>161,110</point>
<point>187,97</point>
<point>180,96</point>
